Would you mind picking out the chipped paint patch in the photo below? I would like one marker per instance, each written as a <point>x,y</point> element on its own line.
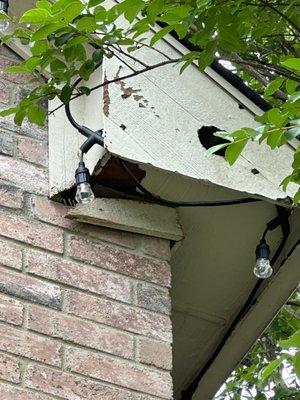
<point>106,99</point>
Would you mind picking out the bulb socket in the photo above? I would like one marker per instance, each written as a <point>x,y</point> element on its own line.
<point>263,250</point>
<point>4,6</point>
<point>82,174</point>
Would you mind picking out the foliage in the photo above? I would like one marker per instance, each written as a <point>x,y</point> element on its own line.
<point>258,38</point>
<point>271,369</point>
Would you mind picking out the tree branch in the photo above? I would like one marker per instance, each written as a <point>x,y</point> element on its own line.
<point>122,78</point>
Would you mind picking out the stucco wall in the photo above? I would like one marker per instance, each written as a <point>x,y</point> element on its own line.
<point>84,311</point>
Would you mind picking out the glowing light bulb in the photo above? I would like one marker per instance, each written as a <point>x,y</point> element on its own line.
<point>263,269</point>
<point>4,26</point>
<point>84,193</point>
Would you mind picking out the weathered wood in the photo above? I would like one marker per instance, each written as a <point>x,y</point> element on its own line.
<point>131,216</point>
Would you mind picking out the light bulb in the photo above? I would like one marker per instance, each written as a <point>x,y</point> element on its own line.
<point>4,26</point>
<point>84,193</point>
<point>262,268</point>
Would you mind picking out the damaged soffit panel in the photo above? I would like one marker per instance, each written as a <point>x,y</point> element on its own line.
<point>154,118</point>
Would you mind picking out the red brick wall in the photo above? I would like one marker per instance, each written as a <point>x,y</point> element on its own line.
<point>84,311</point>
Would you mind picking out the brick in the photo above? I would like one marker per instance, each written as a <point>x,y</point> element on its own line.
<point>11,311</point>
<point>27,176</point>
<point>156,247</point>
<point>15,78</point>
<point>29,345</point>
<point>153,298</point>
<point>10,254</point>
<point>32,150</point>
<point>120,372</point>
<point>78,275</point>
<point>9,369</point>
<point>120,316</point>
<point>80,332</point>
<point>4,93</point>
<point>54,213</point>
<point>26,129</point>
<point>120,261</point>
<point>7,144</point>
<point>155,353</point>
<point>5,51</point>
<point>51,212</point>
<point>31,232</point>
<point>14,393</point>
<point>30,289</point>
<point>10,196</point>
<point>70,387</point>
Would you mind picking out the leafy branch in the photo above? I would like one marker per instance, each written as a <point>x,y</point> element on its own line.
<point>259,39</point>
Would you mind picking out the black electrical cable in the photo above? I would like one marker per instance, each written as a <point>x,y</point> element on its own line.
<point>187,394</point>
<point>171,203</point>
<point>67,106</point>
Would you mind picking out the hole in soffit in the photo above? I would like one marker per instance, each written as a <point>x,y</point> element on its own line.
<point>208,139</point>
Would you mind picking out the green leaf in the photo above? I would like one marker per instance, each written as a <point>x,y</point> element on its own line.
<point>297,200</point>
<point>44,4</point>
<point>37,115</point>
<point>73,10</point>
<point>181,30</point>
<point>32,63</point>
<point>291,86</point>
<point>133,8</point>
<point>186,64</point>
<point>35,16</point>
<point>3,16</point>
<point>296,162</point>
<point>274,138</point>
<point>85,90</point>
<point>46,30</point>
<point>94,3</point>
<point>97,56</point>
<point>234,150</point>
<point>274,86</point>
<point>75,41</point>
<point>57,65</point>
<point>293,341</point>
<point>266,372</point>
<point>154,8</point>
<point>87,24</point>
<point>160,34</point>
<point>8,111</point>
<point>39,47</point>
<point>292,63</point>
<point>87,69</point>
<point>17,69</point>
<point>66,93</point>
<point>19,116</point>
<point>215,148</point>
<point>276,117</point>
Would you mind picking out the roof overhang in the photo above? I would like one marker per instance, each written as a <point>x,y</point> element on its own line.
<point>212,267</point>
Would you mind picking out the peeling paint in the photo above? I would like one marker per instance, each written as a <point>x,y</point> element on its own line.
<point>106,99</point>
<point>138,98</point>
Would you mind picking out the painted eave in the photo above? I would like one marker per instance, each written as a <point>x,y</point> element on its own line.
<point>153,119</point>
